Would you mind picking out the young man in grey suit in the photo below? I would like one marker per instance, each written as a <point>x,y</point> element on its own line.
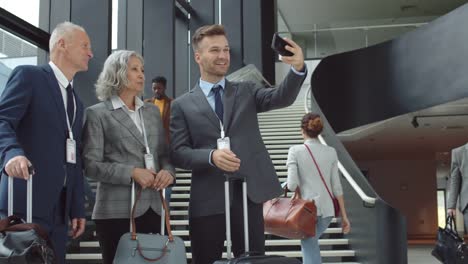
<point>458,183</point>
<point>199,118</point>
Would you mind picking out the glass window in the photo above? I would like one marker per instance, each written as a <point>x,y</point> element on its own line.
<point>14,51</point>
<point>441,209</point>
<point>115,23</point>
<point>17,8</point>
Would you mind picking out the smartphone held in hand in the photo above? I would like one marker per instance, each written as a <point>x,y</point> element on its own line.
<point>279,45</point>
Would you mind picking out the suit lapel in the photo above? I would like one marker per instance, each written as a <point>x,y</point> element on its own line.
<point>79,111</point>
<point>54,89</point>
<point>123,118</point>
<point>230,92</point>
<point>201,102</point>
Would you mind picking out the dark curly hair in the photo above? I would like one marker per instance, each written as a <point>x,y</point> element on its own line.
<point>312,124</point>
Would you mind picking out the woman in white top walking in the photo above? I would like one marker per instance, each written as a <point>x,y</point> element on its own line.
<point>311,166</point>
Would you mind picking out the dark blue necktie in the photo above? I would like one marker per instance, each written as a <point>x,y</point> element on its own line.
<point>70,104</point>
<point>219,109</point>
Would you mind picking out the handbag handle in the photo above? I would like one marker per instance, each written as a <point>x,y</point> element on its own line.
<point>297,193</point>
<point>320,172</point>
<point>168,227</point>
<point>450,221</point>
<point>166,215</point>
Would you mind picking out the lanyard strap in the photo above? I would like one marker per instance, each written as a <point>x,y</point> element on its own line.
<point>70,132</point>
<point>320,172</point>
<point>221,128</point>
<point>144,130</point>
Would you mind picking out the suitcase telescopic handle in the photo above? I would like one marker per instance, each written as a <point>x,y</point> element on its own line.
<point>28,195</point>
<point>228,214</point>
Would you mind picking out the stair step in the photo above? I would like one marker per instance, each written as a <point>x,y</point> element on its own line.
<point>295,254</point>
<point>272,242</point>
<point>330,230</point>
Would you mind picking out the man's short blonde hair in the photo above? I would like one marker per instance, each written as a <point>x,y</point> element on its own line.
<point>62,30</point>
<point>206,31</point>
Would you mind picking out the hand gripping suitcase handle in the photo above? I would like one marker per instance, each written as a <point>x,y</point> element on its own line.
<point>28,197</point>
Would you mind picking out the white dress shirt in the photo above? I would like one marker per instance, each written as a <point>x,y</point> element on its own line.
<point>134,115</point>
<point>63,83</point>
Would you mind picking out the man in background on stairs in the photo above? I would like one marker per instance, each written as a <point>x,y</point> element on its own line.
<point>163,102</point>
<point>214,110</point>
<point>458,183</point>
<point>40,124</point>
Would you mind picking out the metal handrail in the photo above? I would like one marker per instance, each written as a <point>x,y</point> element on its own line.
<point>347,176</point>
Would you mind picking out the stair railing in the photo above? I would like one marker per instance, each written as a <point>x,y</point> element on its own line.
<point>367,199</point>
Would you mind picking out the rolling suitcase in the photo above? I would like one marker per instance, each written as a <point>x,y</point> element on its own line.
<point>248,257</point>
<point>23,242</point>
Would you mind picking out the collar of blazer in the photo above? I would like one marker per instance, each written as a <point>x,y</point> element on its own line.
<point>229,100</point>
<point>54,89</point>
<point>123,118</point>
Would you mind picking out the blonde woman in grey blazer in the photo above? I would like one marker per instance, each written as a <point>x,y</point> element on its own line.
<point>115,148</point>
<point>303,173</point>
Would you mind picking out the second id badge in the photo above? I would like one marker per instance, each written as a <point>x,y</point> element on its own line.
<point>224,143</point>
<point>71,151</point>
<point>149,161</point>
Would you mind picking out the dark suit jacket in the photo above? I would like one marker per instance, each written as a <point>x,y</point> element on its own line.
<point>33,124</point>
<point>195,130</point>
<point>166,114</point>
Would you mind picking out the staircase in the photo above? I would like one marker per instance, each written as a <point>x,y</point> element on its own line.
<point>280,129</point>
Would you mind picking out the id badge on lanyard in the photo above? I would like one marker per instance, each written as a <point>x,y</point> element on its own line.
<point>149,161</point>
<point>223,142</point>
<point>149,158</point>
<point>71,149</point>
<point>70,144</point>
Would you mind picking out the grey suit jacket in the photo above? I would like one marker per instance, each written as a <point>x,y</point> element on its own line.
<point>458,180</point>
<point>195,129</point>
<point>113,147</point>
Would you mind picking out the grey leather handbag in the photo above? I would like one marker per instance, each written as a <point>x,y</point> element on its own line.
<point>150,248</point>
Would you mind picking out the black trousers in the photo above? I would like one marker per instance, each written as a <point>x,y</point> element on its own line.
<point>109,231</point>
<point>207,233</point>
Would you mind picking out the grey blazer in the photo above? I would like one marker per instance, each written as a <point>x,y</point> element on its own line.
<point>195,129</point>
<point>302,172</point>
<point>112,147</point>
<point>458,180</point>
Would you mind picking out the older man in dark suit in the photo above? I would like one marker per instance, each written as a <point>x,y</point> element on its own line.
<point>40,125</point>
<point>216,108</point>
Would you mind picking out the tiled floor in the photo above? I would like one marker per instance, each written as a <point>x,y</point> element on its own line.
<point>421,254</point>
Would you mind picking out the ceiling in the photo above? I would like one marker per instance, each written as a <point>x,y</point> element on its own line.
<point>302,15</point>
<point>440,129</point>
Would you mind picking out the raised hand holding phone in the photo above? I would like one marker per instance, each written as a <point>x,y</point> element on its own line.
<point>279,45</point>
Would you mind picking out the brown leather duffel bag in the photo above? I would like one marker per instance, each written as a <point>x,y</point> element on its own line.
<point>293,217</point>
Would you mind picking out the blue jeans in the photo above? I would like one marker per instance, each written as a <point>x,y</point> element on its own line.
<point>310,246</point>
